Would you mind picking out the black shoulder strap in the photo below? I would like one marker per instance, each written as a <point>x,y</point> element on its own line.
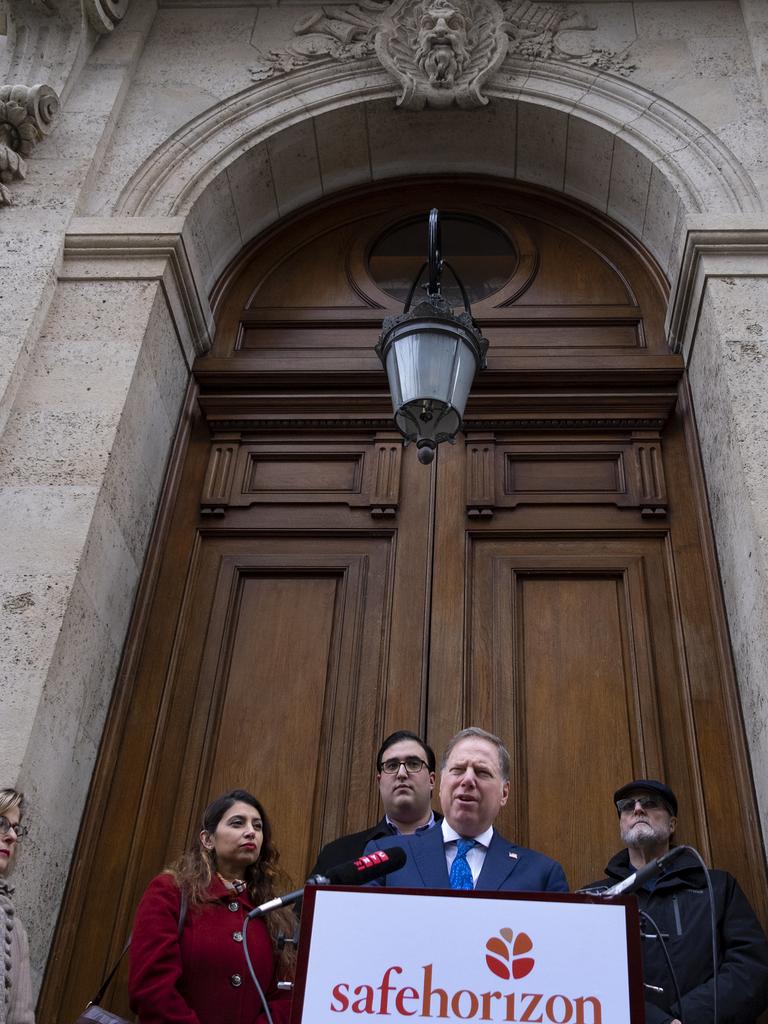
<point>183,904</point>
<point>105,984</point>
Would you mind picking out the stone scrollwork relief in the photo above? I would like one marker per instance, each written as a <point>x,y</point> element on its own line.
<point>542,31</point>
<point>441,52</point>
<point>27,114</point>
<point>335,32</point>
<point>103,15</point>
<point>48,41</point>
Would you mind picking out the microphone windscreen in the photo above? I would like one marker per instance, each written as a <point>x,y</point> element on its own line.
<point>368,867</point>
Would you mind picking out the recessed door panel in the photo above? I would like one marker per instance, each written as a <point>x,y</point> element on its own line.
<point>571,617</point>
<point>290,681</point>
<point>562,667</point>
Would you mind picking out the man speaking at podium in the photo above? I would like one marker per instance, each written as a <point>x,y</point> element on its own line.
<point>465,851</point>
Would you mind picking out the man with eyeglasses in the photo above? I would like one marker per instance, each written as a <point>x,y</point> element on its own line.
<point>405,773</point>
<point>677,902</point>
<point>466,851</point>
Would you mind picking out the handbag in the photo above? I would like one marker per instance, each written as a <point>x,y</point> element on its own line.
<point>95,1013</point>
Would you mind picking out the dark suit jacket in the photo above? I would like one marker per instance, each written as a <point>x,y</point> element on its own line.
<point>350,847</point>
<point>507,867</point>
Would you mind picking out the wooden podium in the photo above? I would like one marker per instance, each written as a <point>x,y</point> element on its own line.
<point>416,955</point>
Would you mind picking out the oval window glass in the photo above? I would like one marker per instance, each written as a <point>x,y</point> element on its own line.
<point>481,253</point>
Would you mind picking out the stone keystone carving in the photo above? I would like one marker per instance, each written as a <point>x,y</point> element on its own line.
<point>26,115</point>
<point>441,52</point>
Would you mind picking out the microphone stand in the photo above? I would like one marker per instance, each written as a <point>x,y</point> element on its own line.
<point>289,898</point>
<point>658,867</point>
<point>265,908</point>
<point>356,872</point>
<point>255,980</point>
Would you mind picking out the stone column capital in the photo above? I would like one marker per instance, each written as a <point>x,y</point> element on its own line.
<point>733,247</point>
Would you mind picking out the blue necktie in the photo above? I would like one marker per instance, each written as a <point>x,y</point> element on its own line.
<point>461,872</point>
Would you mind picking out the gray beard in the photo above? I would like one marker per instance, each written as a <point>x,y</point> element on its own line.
<point>645,834</point>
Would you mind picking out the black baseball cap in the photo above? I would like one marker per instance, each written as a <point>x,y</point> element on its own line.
<point>648,786</point>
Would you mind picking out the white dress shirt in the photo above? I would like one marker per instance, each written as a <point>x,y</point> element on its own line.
<point>422,828</point>
<point>475,856</point>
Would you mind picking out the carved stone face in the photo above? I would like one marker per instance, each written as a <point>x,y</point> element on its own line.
<point>442,43</point>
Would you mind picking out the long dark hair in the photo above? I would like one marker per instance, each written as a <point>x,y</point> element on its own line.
<point>194,872</point>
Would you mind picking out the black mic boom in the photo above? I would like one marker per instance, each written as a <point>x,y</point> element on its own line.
<point>640,877</point>
<point>365,869</point>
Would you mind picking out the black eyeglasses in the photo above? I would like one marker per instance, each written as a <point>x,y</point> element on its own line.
<point>412,765</point>
<point>648,803</point>
<point>6,826</point>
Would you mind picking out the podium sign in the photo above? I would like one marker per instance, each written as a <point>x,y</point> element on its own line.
<point>399,955</point>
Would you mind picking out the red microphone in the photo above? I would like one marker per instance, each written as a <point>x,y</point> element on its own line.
<point>366,868</point>
<point>353,872</point>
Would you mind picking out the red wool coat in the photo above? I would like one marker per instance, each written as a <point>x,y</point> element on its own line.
<point>201,978</point>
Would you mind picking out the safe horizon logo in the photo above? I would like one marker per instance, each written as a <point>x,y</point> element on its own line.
<point>506,955</point>
<point>423,994</point>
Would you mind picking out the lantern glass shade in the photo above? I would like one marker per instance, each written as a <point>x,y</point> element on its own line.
<point>430,366</point>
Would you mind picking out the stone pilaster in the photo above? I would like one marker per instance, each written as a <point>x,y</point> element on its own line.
<point>718,321</point>
<point>82,465</point>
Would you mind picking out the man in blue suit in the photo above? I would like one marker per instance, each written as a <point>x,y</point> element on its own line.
<point>465,851</point>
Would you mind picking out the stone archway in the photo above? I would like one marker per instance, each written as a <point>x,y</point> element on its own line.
<point>607,142</point>
<point>610,144</point>
<point>212,187</point>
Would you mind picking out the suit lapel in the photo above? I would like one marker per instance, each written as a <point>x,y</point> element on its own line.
<point>428,854</point>
<point>500,861</point>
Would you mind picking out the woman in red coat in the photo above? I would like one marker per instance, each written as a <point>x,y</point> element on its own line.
<point>199,975</point>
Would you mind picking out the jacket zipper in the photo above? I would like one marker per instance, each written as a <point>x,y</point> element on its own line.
<point>676,908</point>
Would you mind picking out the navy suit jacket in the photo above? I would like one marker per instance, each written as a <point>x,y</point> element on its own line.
<point>507,867</point>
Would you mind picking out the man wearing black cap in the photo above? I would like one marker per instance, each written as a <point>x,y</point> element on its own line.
<point>678,903</point>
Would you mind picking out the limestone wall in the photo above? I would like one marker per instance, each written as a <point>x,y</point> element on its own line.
<point>729,378</point>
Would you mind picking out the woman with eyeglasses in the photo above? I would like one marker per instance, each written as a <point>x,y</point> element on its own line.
<point>16,1006</point>
<point>188,959</point>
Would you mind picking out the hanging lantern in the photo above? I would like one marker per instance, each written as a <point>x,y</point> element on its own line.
<point>431,356</point>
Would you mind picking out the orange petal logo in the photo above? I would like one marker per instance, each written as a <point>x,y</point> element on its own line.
<point>506,957</point>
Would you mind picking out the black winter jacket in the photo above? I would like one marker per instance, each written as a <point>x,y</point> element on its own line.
<point>680,907</point>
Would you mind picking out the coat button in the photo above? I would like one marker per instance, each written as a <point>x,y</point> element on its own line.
<point>235,981</point>
<point>233,906</point>
<point>237,936</point>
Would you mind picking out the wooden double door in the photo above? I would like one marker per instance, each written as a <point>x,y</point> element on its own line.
<point>312,587</point>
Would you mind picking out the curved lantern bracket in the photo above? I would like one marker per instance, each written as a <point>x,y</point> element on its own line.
<point>436,264</point>
<point>431,356</point>
<point>434,256</point>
